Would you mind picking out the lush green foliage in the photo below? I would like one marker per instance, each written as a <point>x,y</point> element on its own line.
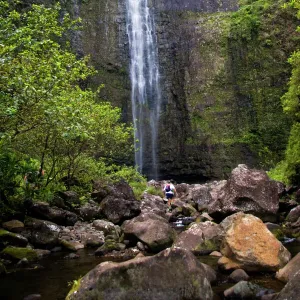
<point>155,191</point>
<point>289,169</point>
<point>262,35</point>
<point>47,120</point>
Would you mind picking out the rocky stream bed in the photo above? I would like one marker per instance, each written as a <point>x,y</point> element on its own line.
<point>231,239</point>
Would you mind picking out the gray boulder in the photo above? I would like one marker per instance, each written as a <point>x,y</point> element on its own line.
<point>89,211</point>
<point>118,210</point>
<point>42,233</point>
<point>290,269</point>
<point>294,214</point>
<point>42,210</point>
<point>150,229</point>
<point>106,226</point>
<point>154,204</point>
<point>246,290</point>
<point>291,289</point>
<point>171,274</point>
<point>247,190</point>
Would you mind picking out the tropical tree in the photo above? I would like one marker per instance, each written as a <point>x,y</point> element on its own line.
<point>45,114</point>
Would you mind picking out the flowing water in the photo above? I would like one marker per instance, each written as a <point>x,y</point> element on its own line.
<point>144,73</point>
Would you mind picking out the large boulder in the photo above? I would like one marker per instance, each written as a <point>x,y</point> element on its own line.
<point>200,238</point>
<point>171,274</point>
<point>200,195</point>
<point>249,245</point>
<point>41,233</point>
<point>154,204</point>
<point>42,210</point>
<point>150,229</point>
<point>118,210</point>
<point>247,190</point>
<point>89,211</point>
<point>119,189</point>
<point>289,270</point>
<point>291,289</point>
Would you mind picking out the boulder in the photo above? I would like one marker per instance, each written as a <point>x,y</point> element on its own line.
<point>89,211</point>
<point>93,238</point>
<point>289,270</point>
<point>246,290</point>
<point>118,210</point>
<point>17,253</point>
<point>200,238</point>
<point>249,191</point>
<point>171,274</point>
<point>150,229</point>
<point>101,190</point>
<point>200,195</point>
<point>12,239</point>
<point>294,214</point>
<point>182,191</point>
<point>238,275</point>
<point>153,204</point>
<point>106,226</point>
<point>291,289</point>
<point>249,245</point>
<point>15,226</point>
<point>42,233</point>
<point>119,189</point>
<point>59,216</point>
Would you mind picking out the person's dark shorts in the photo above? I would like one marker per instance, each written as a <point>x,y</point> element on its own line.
<point>169,195</point>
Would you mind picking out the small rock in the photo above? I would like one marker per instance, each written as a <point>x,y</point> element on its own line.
<point>140,246</point>
<point>216,253</point>
<point>23,263</point>
<point>72,256</point>
<point>238,275</point>
<point>33,297</point>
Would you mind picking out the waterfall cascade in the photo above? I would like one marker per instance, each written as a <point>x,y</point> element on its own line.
<point>145,90</point>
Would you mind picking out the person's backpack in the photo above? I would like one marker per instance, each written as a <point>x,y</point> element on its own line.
<point>168,188</point>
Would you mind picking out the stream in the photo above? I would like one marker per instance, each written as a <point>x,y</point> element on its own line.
<point>53,280</point>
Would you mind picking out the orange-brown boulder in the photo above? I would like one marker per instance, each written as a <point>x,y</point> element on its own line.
<point>249,245</point>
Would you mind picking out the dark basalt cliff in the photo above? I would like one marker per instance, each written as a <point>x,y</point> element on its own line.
<point>221,86</point>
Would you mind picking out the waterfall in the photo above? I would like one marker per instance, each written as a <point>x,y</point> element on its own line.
<point>145,90</point>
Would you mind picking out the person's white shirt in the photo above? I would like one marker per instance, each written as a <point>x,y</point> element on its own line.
<point>172,187</point>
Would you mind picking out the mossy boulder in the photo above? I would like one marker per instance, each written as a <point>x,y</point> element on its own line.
<point>15,226</point>
<point>67,245</point>
<point>171,274</point>
<point>13,239</point>
<point>17,253</point>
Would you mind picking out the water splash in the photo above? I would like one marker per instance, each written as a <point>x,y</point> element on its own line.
<point>145,89</point>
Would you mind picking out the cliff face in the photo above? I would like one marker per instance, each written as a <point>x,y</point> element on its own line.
<point>221,82</point>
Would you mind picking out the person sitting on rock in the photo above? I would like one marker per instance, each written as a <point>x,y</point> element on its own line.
<point>169,190</point>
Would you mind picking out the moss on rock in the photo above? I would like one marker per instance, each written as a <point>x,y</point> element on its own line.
<point>17,253</point>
